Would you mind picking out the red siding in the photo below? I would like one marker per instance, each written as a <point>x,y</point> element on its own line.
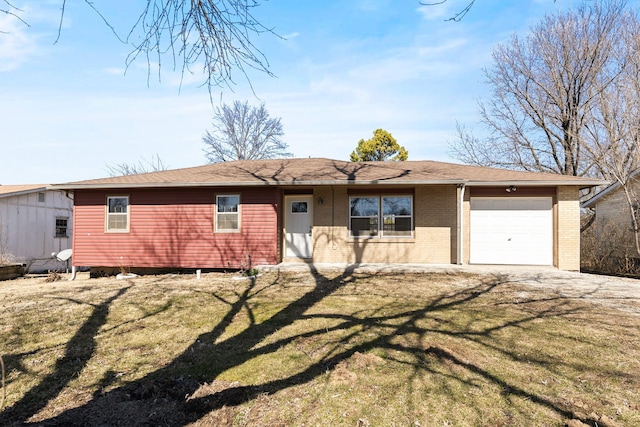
<point>175,228</point>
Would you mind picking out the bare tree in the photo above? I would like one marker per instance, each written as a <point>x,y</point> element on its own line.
<point>242,132</point>
<point>214,36</point>
<point>545,89</point>
<point>155,164</point>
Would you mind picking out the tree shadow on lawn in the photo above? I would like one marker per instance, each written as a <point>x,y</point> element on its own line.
<point>166,396</point>
<point>78,351</point>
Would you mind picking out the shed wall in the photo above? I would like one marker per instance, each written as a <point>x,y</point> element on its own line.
<point>28,228</point>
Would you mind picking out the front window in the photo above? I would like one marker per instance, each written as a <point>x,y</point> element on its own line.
<point>61,227</point>
<point>228,213</point>
<point>364,213</point>
<point>381,216</point>
<point>397,216</point>
<point>118,213</point>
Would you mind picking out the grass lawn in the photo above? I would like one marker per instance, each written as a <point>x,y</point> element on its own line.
<point>314,349</point>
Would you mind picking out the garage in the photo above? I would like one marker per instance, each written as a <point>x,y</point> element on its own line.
<point>515,230</point>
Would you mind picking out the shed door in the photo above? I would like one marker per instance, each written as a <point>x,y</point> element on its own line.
<point>511,230</point>
<point>298,225</point>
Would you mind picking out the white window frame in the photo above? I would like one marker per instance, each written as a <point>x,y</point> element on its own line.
<point>110,215</point>
<point>218,214</point>
<point>380,217</point>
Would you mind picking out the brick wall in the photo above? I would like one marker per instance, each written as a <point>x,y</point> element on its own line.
<point>434,240</point>
<point>567,229</point>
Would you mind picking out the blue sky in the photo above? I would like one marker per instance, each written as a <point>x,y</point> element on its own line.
<point>343,68</point>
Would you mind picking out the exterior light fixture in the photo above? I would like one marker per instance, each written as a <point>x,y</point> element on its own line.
<point>511,188</point>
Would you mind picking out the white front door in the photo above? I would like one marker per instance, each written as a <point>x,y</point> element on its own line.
<point>298,223</point>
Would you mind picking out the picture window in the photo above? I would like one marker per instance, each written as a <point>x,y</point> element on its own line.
<point>381,216</point>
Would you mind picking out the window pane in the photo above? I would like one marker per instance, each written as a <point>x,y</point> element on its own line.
<point>364,206</point>
<point>397,205</point>
<point>397,226</point>
<point>364,227</point>
<point>118,204</point>
<point>228,203</point>
<point>117,222</point>
<point>299,207</point>
<point>228,221</point>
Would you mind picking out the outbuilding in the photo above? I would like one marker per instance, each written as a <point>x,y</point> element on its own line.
<point>35,224</point>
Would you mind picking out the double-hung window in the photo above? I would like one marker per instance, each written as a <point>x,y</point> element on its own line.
<point>118,214</point>
<point>364,213</point>
<point>228,213</point>
<point>381,216</point>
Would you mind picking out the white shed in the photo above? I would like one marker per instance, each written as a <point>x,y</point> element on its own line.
<point>34,223</point>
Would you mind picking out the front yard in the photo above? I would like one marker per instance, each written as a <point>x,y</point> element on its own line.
<point>325,349</point>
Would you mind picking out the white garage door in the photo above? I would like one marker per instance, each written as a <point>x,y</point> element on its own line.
<point>511,230</point>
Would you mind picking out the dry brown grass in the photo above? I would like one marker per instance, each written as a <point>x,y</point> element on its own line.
<point>314,349</point>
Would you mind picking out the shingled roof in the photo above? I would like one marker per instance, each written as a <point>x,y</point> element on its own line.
<point>15,190</point>
<point>322,171</point>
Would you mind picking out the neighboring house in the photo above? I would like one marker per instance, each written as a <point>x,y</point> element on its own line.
<point>245,213</point>
<point>34,223</point>
<point>612,235</point>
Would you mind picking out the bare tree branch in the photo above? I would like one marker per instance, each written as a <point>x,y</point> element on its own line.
<point>155,164</point>
<point>213,38</point>
<point>213,35</point>
<point>11,10</point>
<point>458,16</point>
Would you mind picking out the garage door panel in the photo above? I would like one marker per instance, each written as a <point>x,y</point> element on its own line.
<point>511,231</point>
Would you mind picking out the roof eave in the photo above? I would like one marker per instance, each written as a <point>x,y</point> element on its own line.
<point>543,183</point>
<point>23,192</point>
<point>121,185</point>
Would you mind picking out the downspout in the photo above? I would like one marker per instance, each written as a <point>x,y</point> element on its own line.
<point>460,229</point>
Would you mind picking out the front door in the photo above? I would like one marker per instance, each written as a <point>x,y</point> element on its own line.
<point>298,223</point>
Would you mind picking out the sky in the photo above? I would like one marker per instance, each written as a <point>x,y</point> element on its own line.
<point>70,108</point>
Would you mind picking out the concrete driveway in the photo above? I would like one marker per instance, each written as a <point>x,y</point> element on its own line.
<point>608,291</point>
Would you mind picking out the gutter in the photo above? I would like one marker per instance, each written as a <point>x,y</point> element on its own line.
<point>460,228</point>
<point>124,185</point>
